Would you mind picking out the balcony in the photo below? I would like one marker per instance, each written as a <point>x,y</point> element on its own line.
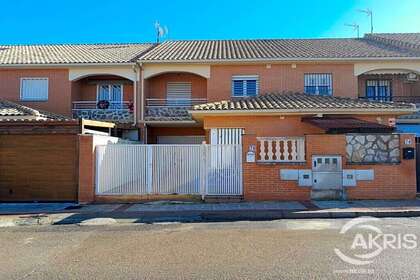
<point>118,112</point>
<point>170,109</point>
<point>406,99</point>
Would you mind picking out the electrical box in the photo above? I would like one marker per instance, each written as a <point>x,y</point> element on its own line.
<point>289,174</point>
<point>305,178</point>
<point>408,153</point>
<point>365,175</point>
<point>349,178</point>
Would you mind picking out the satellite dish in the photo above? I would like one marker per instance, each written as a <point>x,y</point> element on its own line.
<point>161,31</point>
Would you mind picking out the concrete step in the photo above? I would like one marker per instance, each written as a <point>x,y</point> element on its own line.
<point>327,194</point>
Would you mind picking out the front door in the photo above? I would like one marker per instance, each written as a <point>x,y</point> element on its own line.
<point>327,177</point>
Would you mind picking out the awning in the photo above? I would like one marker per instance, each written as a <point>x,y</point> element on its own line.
<point>347,125</point>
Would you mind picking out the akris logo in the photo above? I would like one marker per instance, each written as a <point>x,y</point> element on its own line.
<point>372,241</point>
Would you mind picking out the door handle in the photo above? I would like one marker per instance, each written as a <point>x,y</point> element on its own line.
<point>314,163</point>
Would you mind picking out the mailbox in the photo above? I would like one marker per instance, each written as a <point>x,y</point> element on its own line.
<point>408,153</point>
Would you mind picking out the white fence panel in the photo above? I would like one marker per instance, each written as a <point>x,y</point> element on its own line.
<point>121,169</point>
<point>224,174</point>
<point>177,169</point>
<point>169,169</point>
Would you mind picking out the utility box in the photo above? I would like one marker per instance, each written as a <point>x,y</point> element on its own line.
<point>305,178</point>
<point>408,153</point>
<point>327,173</point>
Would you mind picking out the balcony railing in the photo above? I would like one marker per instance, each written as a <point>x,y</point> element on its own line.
<point>406,99</point>
<point>121,112</point>
<point>178,102</point>
<point>281,149</point>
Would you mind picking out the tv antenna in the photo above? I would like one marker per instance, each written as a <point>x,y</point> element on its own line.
<point>369,13</point>
<point>355,26</point>
<point>161,31</point>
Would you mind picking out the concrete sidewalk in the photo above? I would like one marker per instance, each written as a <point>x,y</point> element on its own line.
<point>173,211</point>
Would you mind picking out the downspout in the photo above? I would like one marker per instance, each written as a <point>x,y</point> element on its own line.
<point>143,105</point>
<point>142,91</point>
<point>136,71</point>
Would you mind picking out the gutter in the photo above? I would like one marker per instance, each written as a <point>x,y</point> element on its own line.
<point>58,65</point>
<point>274,60</point>
<point>304,111</point>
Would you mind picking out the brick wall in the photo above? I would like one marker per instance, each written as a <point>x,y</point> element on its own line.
<point>156,87</point>
<point>86,169</point>
<point>59,88</point>
<point>280,77</point>
<point>262,181</point>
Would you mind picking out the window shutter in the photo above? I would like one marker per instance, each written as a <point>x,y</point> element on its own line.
<point>238,88</point>
<point>179,93</point>
<point>245,85</point>
<point>34,89</point>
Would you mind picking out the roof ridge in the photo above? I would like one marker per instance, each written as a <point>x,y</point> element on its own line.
<point>76,44</point>
<point>262,39</point>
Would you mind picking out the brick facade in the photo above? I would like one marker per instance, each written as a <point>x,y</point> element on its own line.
<point>262,180</point>
<point>59,88</point>
<point>280,77</point>
<point>157,85</point>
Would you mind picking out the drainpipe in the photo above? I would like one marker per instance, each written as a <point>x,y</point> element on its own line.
<point>136,71</point>
<point>142,91</point>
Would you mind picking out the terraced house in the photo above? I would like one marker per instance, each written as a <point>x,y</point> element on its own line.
<point>297,107</point>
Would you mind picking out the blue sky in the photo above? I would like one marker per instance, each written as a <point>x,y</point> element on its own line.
<point>86,21</point>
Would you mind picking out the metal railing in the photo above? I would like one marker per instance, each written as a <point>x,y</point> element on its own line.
<point>395,98</point>
<point>176,102</point>
<point>281,149</point>
<point>93,105</point>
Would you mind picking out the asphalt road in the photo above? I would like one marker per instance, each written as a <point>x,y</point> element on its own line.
<point>286,249</point>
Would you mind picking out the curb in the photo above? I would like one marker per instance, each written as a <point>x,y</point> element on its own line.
<point>193,216</point>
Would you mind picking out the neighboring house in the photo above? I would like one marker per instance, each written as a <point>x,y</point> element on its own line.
<point>97,81</point>
<point>39,153</point>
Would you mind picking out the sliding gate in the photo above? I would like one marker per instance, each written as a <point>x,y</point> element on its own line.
<point>168,169</point>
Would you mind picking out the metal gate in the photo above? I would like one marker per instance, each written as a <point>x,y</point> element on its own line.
<point>168,169</point>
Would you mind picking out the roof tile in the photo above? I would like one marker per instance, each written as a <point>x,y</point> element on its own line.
<point>71,53</point>
<point>276,49</point>
<point>298,101</point>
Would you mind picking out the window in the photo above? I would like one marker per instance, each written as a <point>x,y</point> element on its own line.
<point>113,93</point>
<point>245,86</point>
<point>318,84</point>
<point>378,90</point>
<point>178,93</point>
<point>34,89</point>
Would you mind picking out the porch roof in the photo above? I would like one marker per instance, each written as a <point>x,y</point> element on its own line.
<point>347,125</point>
<point>299,103</point>
<point>10,111</point>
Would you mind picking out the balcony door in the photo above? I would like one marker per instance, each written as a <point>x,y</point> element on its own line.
<point>178,94</point>
<point>113,93</point>
<point>378,90</point>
